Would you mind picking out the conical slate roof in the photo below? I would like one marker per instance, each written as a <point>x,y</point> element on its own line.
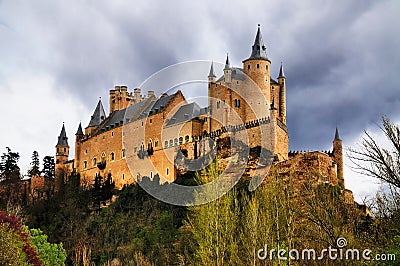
<point>281,74</point>
<point>62,139</point>
<point>227,63</point>
<point>337,134</point>
<point>258,50</point>
<point>98,116</point>
<point>212,74</point>
<point>79,131</point>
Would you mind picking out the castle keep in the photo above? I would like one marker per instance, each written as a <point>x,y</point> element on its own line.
<point>143,135</point>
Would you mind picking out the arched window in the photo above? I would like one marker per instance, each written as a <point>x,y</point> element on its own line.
<point>186,138</point>
<point>156,143</point>
<point>112,157</point>
<point>176,142</point>
<point>103,157</point>
<point>167,171</point>
<point>166,144</point>
<point>84,164</point>
<point>180,140</point>
<point>94,162</point>
<point>171,142</point>
<point>123,153</point>
<point>149,145</point>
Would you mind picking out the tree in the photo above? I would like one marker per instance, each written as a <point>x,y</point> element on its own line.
<point>49,254</point>
<point>35,164</point>
<point>48,167</point>
<point>371,159</point>
<point>9,169</point>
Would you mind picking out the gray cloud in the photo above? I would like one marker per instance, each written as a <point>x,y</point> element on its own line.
<point>341,58</point>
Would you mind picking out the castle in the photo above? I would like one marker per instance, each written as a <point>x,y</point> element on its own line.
<point>142,134</point>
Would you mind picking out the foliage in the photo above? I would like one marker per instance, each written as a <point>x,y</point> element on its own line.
<point>48,167</point>
<point>49,254</point>
<point>11,223</point>
<point>11,246</point>
<point>35,165</point>
<point>9,169</point>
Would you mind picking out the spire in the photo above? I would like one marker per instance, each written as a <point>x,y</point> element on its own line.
<point>212,74</point>
<point>227,63</point>
<point>98,116</point>
<point>281,74</point>
<point>259,51</point>
<point>337,134</point>
<point>79,132</point>
<point>62,139</point>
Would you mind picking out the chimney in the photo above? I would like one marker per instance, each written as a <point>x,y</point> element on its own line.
<point>150,94</point>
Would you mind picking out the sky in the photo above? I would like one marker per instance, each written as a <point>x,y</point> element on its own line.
<point>341,61</point>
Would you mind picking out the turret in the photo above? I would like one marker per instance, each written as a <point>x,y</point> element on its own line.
<point>62,148</point>
<point>120,98</point>
<point>257,66</point>
<point>211,75</point>
<point>338,158</point>
<point>227,70</point>
<point>282,95</point>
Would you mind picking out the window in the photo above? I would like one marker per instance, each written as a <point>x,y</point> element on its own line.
<point>86,151</point>
<point>166,144</point>
<point>248,66</point>
<point>94,161</point>
<point>142,123</point>
<point>176,142</point>
<point>123,153</point>
<point>167,171</point>
<point>151,120</point>
<point>151,175</point>
<point>103,157</point>
<point>156,143</point>
<point>150,145</point>
<point>123,176</point>
<point>112,134</point>
<point>258,65</point>
<point>237,103</point>
<point>180,140</point>
<point>171,143</point>
<point>266,67</point>
<point>65,149</point>
<point>112,157</point>
<point>84,164</point>
<point>218,104</point>
<point>186,138</point>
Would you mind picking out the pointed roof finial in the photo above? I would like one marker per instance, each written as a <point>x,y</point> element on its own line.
<point>79,132</point>
<point>227,63</point>
<point>62,139</point>
<point>98,115</point>
<point>212,74</point>
<point>258,50</point>
<point>337,134</point>
<point>281,74</point>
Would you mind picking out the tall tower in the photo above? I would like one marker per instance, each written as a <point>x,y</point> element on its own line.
<point>257,66</point>
<point>282,95</point>
<point>62,153</point>
<point>338,158</point>
<point>78,137</point>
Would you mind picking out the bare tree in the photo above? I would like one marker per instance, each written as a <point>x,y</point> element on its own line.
<point>371,159</point>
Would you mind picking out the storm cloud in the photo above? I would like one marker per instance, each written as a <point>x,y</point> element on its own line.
<point>341,59</point>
